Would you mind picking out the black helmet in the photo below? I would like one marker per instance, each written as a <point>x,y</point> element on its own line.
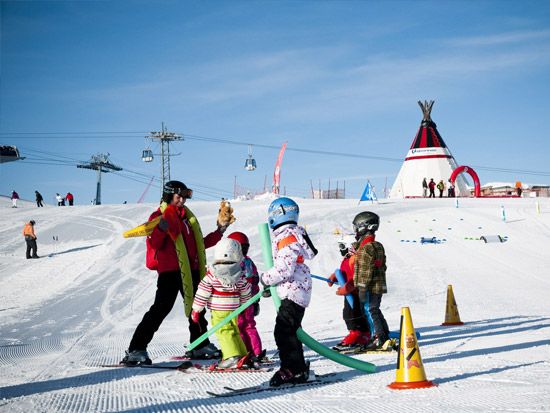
<point>365,223</point>
<point>32,222</point>
<point>175,187</point>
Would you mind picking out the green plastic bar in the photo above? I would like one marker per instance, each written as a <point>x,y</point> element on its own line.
<point>302,335</point>
<point>226,320</point>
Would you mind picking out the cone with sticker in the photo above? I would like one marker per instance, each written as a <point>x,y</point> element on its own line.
<point>410,370</point>
<point>452,318</point>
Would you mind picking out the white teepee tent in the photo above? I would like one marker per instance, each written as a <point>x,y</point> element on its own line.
<point>428,158</point>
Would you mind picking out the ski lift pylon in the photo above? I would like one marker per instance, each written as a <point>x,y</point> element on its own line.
<point>250,162</point>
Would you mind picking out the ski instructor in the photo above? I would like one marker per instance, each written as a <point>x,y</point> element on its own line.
<point>180,266</point>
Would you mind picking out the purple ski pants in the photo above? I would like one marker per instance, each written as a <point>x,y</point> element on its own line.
<point>249,334</point>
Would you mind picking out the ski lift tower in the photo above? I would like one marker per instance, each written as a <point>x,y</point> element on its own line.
<point>101,164</point>
<point>164,137</point>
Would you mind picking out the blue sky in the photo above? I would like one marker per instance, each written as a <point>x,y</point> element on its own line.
<point>333,76</point>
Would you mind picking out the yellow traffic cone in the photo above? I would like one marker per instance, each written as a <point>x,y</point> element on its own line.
<point>410,370</point>
<point>452,318</point>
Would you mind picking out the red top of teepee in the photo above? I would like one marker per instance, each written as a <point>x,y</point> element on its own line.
<point>427,135</point>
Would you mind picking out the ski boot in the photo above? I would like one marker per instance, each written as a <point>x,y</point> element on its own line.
<point>207,352</point>
<point>354,339</point>
<point>378,344</point>
<point>285,376</point>
<point>136,358</point>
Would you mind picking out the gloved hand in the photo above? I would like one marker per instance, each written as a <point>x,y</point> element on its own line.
<point>267,292</point>
<point>347,288</point>
<point>256,309</point>
<point>195,316</point>
<point>221,227</point>
<point>332,279</point>
<point>163,225</point>
<point>343,249</point>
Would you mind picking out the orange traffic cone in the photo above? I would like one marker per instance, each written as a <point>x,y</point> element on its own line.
<point>452,318</point>
<point>410,370</point>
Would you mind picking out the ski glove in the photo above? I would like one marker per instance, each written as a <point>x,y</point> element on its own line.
<point>347,288</point>
<point>267,292</point>
<point>222,228</point>
<point>332,279</point>
<point>195,316</point>
<point>163,225</point>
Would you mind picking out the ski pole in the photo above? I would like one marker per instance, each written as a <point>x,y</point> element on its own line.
<point>317,277</point>
<point>226,320</point>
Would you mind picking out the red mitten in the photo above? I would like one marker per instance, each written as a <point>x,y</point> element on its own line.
<point>347,288</point>
<point>332,279</point>
<point>195,316</point>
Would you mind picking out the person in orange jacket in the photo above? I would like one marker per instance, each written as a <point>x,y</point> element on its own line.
<point>30,239</point>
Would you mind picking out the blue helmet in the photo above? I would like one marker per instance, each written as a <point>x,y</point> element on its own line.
<point>283,211</point>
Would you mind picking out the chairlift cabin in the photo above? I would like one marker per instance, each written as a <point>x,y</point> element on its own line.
<point>250,162</point>
<point>9,154</point>
<point>147,155</point>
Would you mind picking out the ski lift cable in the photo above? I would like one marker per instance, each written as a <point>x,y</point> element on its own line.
<point>265,146</point>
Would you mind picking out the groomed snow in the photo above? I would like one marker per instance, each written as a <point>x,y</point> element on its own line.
<point>64,315</point>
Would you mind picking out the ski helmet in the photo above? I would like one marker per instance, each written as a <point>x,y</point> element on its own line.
<point>32,222</point>
<point>365,223</point>
<point>239,237</point>
<point>228,250</point>
<point>242,239</point>
<point>175,187</point>
<point>283,211</point>
<point>227,261</point>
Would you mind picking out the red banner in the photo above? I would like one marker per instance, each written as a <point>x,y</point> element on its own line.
<point>277,174</point>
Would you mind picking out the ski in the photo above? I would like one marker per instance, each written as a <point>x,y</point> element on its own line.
<point>389,347</point>
<point>231,392</point>
<point>181,366</point>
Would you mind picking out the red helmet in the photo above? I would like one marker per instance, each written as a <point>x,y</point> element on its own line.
<point>239,237</point>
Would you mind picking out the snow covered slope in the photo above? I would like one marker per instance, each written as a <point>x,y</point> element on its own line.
<point>64,315</point>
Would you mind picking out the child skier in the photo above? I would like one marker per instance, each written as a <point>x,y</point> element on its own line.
<point>246,322</point>
<point>354,317</point>
<point>222,290</point>
<point>291,246</point>
<point>369,276</point>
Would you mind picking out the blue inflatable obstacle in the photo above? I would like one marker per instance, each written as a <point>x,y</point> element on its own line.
<point>431,240</point>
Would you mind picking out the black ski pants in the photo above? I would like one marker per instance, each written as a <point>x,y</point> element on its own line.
<point>432,193</point>
<point>39,203</point>
<point>378,325</point>
<point>354,317</point>
<point>169,285</point>
<point>31,248</point>
<point>290,348</point>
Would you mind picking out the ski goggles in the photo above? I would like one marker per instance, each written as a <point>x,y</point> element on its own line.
<point>184,193</point>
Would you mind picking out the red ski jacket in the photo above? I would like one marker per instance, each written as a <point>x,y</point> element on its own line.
<point>166,250</point>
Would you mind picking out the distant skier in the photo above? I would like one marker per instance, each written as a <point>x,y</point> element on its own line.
<point>60,200</point>
<point>70,198</point>
<point>168,255</point>
<point>424,188</point>
<point>354,317</point>
<point>370,276</point>
<point>14,198</point>
<point>431,185</point>
<point>441,188</point>
<point>30,239</point>
<point>246,321</point>
<point>39,199</point>
<point>291,246</point>
<point>223,290</point>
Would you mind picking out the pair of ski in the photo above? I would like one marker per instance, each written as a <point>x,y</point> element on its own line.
<point>190,367</point>
<point>316,380</point>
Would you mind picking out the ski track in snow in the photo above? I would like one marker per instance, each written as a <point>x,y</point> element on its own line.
<point>65,315</point>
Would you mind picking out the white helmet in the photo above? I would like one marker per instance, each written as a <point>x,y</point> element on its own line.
<point>228,251</point>
<point>227,261</point>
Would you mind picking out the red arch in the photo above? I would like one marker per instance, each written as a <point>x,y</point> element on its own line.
<point>473,174</point>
